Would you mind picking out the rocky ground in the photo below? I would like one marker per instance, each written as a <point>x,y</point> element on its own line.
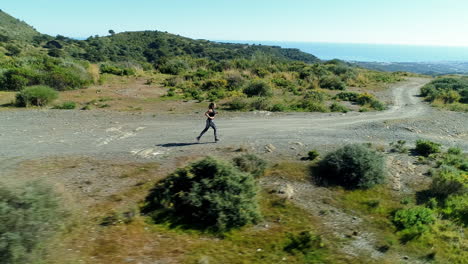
<point>85,150</point>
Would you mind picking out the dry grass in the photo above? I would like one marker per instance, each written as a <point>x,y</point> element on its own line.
<point>295,171</point>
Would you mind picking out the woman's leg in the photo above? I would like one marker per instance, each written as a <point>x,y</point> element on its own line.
<point>212,124</point>
<point>204,130</point>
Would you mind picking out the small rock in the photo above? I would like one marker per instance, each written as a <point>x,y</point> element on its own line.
<point>270,148</point>
<point>299,143</point>
<point>259,250</point>
<point>286,190</point>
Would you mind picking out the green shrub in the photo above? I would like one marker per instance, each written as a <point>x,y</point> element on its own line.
<point>312,155</point>
<point>456,208</point>
<point>36,95</point>
<point>279,108</point>
<point>235,81</point>
<point>447,181</point>
<point>66,105</point>
<point>336,107</point>
<point>258,88</point>
<point>251,163</point>
<point>17,78</point>
<point>313,106</point>
<point>208,194</point>
<point>377,105</point>
<point>399,146</point>
<point>365,99</point>
<point>64,78</point>
<point>116,70</point>
<point>353,166</point>
<point>455,151</point>
<point>174,66</point>
<point>347,96</point>
<point>304,243</point>
<point>238,104</point>
<point>415,220</point>
<point>316,96</point>
<point>28,216</point>
<point>261,104</point>
<point>332,82</point>
<point>426,147</point>
<point>214,84</point>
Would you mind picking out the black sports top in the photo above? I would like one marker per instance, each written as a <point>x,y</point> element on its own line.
<point>212,113</point>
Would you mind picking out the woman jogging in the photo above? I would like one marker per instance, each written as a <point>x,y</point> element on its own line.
<point>210,114</point>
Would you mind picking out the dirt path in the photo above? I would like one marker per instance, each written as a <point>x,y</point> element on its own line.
<point>40,133</point>
<point>27,135</point>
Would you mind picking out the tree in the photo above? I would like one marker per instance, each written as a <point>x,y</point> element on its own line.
<point>112,32</point>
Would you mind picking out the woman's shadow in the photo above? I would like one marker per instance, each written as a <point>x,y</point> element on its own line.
<point>171,145</point>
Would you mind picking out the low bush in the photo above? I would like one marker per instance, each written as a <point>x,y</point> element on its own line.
<point>332,82</point>
<point>414,220</point>
<point>454,151</point>
<point>399,146</point>
<point>214,84</point>
<point>353,166</point>
<point>28,216</point>
<point>279,108</point>
<point>312,106</point>
<point>449,181</point>
<point>365,99</point>
<point>312,155</point>
<point>347,96</point>
<point>115,70</point>
<point>238,104</point>
<point>208,194</point>
<point>251,163</point>
<point>304,243</point>
<point>377,105</point>
<point>426,147</point>
<point>258,88</point>
<point>36,95</point>
<point>174,66</point>
<point>66,106</point>
<point>261,104</point>
<point>336,107</point>
<point>456,208</point>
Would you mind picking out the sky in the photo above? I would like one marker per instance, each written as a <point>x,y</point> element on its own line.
<point>409,22</point>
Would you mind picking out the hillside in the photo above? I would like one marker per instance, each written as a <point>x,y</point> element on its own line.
<point>154,46</point>
<point>15,29</point>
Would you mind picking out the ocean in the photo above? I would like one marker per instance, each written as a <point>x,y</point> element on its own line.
<point>374,52</point>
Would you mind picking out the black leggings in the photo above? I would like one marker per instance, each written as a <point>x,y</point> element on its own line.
<point>209,123</point>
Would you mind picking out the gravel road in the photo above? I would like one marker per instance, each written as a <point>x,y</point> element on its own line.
<point>28,134</point>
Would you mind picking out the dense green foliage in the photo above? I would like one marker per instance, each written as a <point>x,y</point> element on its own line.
<point>36,95</point>
<point>312,155</point>
<point>28,217</point>
<point>59,74</point>
<point>449,91</point>
<point>426,147</point>
<point>207,194</point>
<point>448,193</point>
<point>250,163</point>
<point>353,166</point>
<point>414,220</point>
<point>304,243</point>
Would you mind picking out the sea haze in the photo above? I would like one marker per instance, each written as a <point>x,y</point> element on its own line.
<point>374,52</point>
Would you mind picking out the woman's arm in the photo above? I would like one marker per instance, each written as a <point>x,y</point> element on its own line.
<point>207,114</point>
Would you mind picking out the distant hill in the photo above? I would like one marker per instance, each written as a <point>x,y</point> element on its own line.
<point>16,29</point>
<point>141,46</point>
<point>153,46</point>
